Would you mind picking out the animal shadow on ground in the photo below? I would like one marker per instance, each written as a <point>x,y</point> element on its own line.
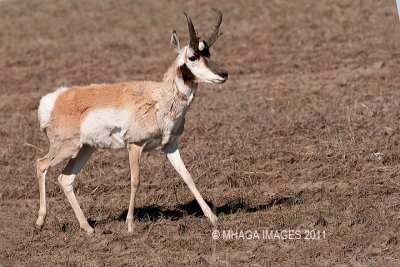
<point>154,213</point>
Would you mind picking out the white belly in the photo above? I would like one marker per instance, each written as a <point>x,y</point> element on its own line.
<point>106,128</point>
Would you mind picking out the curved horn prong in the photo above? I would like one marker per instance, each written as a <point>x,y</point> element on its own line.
<point>213,35</point>
<point>194,40</point>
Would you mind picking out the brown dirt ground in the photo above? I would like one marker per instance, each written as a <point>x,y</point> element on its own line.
<point>284,144</point>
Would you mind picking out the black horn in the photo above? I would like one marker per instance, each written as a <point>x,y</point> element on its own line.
<point>214,33</point>
<point>194,40</point>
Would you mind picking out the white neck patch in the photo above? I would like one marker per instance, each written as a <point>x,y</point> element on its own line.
<point>184,89</point>
<point>180,84</point>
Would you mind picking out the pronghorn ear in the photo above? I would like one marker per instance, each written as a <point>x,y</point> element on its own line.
<point>175,42</point>
<point>202,45</point>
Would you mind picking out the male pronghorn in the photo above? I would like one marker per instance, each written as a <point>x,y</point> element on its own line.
<point>138,115</point>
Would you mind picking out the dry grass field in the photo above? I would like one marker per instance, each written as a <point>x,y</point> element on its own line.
<point>286,144</point>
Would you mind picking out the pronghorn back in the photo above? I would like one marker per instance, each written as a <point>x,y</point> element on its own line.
<point>101,115</point>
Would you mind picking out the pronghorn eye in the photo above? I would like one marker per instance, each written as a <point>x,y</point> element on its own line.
<point>192,58</point>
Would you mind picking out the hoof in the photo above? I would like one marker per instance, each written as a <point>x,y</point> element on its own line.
<point>130,223</point>
<point>38,226</point>
<point>215,221</point>
<point>130,227</point>
<point>90,231</point>
<point>40,222</point>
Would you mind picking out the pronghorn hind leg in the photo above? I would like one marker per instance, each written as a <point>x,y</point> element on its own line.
<point>134,161</point>
<point>42,164</point>
<point>53,157</point>
<point>66,180</point>
<point>174,157</point>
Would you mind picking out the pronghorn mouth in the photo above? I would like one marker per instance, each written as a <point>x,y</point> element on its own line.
<point>219,81</point>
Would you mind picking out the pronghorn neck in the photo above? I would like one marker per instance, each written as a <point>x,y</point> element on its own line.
<point>182,80</point>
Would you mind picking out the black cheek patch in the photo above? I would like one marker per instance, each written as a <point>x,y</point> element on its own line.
<point>187,75</point>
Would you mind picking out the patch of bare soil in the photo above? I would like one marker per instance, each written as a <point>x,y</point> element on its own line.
<point>286,144</point>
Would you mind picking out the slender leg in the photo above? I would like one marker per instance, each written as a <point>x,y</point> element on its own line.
<point>55,156</point>
<point>134,161</point>
<point>176,161</point>
<point>41,174</point>
<point>66,180</point>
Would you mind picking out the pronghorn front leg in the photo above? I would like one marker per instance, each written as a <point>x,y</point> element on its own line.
<point>134,160</point>
<point>174,157</point>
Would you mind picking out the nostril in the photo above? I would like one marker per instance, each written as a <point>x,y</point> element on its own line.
<point>224,75</point>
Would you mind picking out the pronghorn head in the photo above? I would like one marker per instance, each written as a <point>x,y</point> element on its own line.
<point>194,59</point>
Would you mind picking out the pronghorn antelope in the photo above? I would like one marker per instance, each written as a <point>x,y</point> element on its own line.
<point>137,115</point>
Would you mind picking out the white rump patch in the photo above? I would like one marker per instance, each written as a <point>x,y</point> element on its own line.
<point>106,128</point>
<point>46,107</point>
